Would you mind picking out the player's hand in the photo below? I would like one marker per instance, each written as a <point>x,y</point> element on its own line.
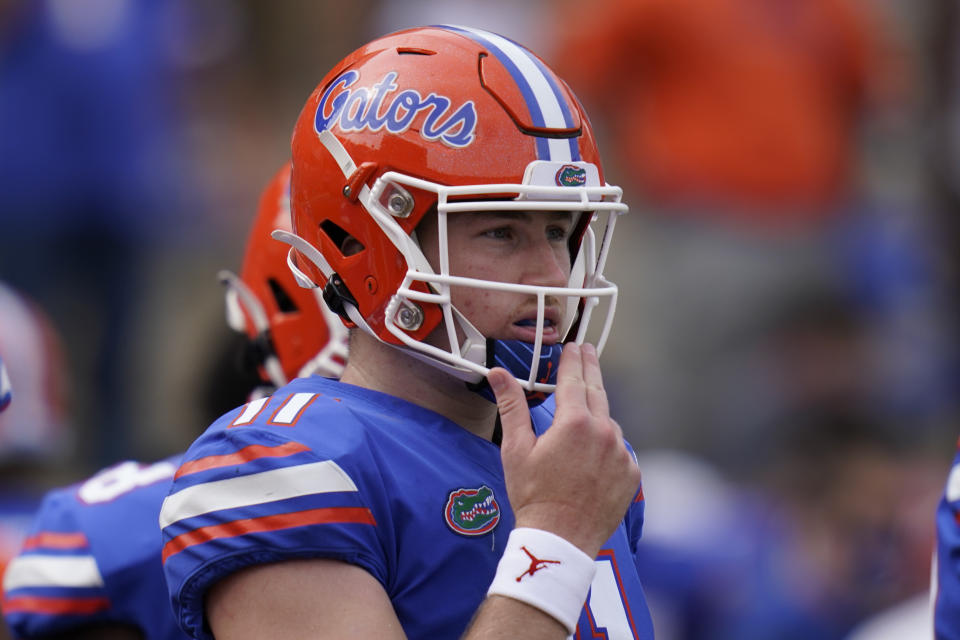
<point>577,479</point>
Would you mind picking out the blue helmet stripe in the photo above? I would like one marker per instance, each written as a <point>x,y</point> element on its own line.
<point>564,107</point>
<point>538,88</point>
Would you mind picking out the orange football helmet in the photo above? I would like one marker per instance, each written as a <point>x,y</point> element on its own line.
<point>434,120</point>
<point>292,331</point>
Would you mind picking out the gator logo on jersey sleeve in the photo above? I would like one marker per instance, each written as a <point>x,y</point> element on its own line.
<point>472,512</point>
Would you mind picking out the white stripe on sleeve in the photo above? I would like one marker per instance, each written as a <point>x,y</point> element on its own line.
<point>256,488</point>
<point>52,571</point>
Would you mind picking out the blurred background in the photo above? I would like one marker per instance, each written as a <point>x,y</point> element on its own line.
<point>784,357</point>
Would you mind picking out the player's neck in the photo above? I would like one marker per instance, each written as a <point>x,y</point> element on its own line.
<point>377,366</point>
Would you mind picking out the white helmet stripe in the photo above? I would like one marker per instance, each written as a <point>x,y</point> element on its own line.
<point>539,89</point>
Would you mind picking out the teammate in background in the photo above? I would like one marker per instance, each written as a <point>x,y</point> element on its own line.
<point>91,566</point>
<point>291,332</point>
<point>443,188</point>
<point>945,589</point>
<point>35,434</point>
<point>6,395</point>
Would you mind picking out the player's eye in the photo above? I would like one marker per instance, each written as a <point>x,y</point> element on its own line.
<point>557,233</point>
<point>499,233</point>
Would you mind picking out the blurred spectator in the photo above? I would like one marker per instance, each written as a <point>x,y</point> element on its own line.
<point>695,544</point>
<point>91,180</point>
<point>940,140</point>
<point>895,276</point>
<point>736,124</point>
<point>850,495</point>
<point>828,530</point>
<point>735,111</point>
<point>941,53</point>
<point>131,132</point>
<point>35,431</point>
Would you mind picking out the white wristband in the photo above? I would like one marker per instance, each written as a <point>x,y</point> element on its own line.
<point>545,571</point>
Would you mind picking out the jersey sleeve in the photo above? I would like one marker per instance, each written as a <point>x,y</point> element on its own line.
<point>54,583</point>
<point>253,495</point>
<point>633,520</point>
<point>947,571</point>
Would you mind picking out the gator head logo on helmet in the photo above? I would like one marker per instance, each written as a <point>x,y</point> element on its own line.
<point>472,512</point>
<point>571,175</point>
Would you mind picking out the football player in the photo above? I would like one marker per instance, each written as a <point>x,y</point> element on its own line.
<point>946,567</point>
<point>35,432</point>
<point>291,332</point>
<point>6,395</point>
<point>90,567</point>
<point>448,199</point>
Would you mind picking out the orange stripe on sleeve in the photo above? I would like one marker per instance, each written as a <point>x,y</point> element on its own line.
<point>253,452</point>
<point>328,515</point>
<point>55,606</point>
<point>56,540</point>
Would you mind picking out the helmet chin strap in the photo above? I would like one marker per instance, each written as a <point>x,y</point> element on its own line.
<point>516,357</point>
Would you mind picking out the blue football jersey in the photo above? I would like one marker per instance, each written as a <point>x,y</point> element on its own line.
<point>946,617</point>
<point>92,557</point>
<point>17,509</point>
<point>323,469</point>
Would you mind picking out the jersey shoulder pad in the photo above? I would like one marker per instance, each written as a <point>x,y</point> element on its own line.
<point>55,583</point>
<point>94,554</point>
<point>260,486</point>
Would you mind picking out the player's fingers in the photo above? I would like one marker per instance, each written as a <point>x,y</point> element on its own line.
<point>514,411</point>
<point>570,389</point>
<point>596,394</point>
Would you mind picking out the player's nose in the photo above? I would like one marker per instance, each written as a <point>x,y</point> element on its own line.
<point>548,263</point>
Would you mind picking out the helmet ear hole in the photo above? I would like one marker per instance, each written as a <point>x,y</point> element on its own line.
<point>284,302</point>
<point>345,243</point>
